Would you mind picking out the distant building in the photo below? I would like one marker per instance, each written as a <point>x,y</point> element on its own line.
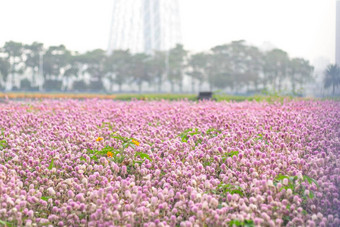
<point>337,36</point>
<point>144,25</point>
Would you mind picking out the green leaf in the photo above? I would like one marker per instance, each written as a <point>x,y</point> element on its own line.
<point>185,135</point>
<point>143,155</point>
<point>249,223</point>
<point>107,149</point>
<point>45,198</point>
<point>246,223</point>
<point>6,223</point>
<point>108,124</point>
<point>213,132</point>
<point>237,191</point>
<point>3,144</point>
<point>91,151</point>
<point>230,154</point>
<point>286,219</point>
<point>235,222</point>
<point>139,162</point>
<point>260,137</point>
<point>232,189</point>
<point>281,177</point>
<point>45,224</point>
<point>311,195</point>
<point>310,180</point>
<point>293,178</point>
<point>94,157</point>
<point>51,164</point>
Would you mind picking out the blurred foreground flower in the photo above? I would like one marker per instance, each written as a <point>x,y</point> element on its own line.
<point>135,142</point>
<point>99,139</point>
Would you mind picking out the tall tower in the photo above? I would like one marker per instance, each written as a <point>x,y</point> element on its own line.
<point>337,36</point>
<point>144,25</point>
<point>152,25</point>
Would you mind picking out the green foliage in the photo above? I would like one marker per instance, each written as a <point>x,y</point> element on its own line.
<point>332,77</point>
<point>45,224</point>
<point>52,85</point>
<point>80,86</point>
<point>187,133</point>
<point>143,156</point>
<point>117,155</point>
<point>6,223</point>
<point>212,132</point>
<point>233,65</point>
<point>51,164</point>
<point>223,189</point>
<point>106,124</point>
<point>293,182</point>
<point>96,86</point>
<point>5,68</point>
<point>230,154</point>
<point>207,162</point>
<point>126,141</point>
<point>310,180</point>
<point>260,137</point>
<point>25,84</point>
<point>286,219</point>
<point>45,198</point>
<point>3,144</point>
<point>245,223</point>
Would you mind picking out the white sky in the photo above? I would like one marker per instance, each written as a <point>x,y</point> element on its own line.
<point>303,28</point>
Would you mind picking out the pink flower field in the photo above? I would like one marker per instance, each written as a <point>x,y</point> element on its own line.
<point>139,163</point>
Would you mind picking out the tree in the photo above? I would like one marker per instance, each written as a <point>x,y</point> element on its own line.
<point>94,64</point>
<point>241,58</point>
<point>4,71</point>
<point>220,68</point>
<point>157,68</point>
<point>198,67</point>
<point>94,61</point>
<point>140,69</point>
<point>254,64</point>
<point>55,59</point>
<point>72,68</point>
<point>54,63</point>
<point>275,67</point>
<point>299,72</point>
<point>118,65</point>
<point>32,53</point>
<point>14,51</point>
<point>177,57</point>
<point>332,77</point>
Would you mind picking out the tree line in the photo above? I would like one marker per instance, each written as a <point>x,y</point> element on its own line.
<point>233,66</point>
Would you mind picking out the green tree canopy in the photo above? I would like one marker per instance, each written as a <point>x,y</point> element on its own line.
<point>332,77</point>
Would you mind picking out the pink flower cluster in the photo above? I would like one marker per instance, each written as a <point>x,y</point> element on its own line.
<point>210,163</point>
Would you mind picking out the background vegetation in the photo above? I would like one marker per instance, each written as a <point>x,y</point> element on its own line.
<point>235,67</point>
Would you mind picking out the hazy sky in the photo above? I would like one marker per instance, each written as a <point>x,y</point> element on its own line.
<point>303,28</point>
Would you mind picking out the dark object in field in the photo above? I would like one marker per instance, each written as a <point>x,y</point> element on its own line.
<point>205,95</point>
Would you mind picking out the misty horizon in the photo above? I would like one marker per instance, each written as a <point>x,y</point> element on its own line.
<point>85,25</point>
